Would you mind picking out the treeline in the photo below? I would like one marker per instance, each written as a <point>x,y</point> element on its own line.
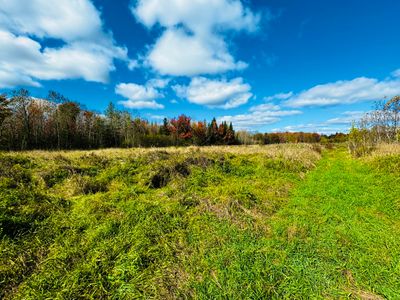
<point>381,125</point>
<point>59,123</point>
<point>289,137</point>
<point>56,122</point>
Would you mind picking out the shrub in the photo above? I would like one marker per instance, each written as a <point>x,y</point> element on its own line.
<point>360,142</point>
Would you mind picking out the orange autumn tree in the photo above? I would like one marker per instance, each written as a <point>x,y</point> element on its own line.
<point>181,127</point>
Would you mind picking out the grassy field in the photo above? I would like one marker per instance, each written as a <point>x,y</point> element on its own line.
<point>254,222</point>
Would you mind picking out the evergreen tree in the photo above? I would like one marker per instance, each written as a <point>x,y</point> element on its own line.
<point>164,127</point>
<point>230,135</point>
<point>212,132</point>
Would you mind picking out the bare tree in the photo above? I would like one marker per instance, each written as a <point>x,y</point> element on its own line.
<point>382,125</point>
<point>5,110</point>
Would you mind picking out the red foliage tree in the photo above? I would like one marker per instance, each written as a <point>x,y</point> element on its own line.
<point>181,127</point>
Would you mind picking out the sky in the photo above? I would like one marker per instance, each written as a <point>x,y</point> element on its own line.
<point>265,65</point>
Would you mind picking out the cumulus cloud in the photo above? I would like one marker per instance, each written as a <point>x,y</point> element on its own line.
<point>142,96</point>
<point>10,78</point>
<point>215,93</point>
<point>192,42</point>
<point>87,51</point>
<point>177,53</point>
<point>259,116</point>
<point>69,20</point>
<point>347,92</point>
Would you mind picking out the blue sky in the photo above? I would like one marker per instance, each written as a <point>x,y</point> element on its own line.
<point>267,65</point>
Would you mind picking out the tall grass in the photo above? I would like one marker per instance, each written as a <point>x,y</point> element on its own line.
<point>234,222</point>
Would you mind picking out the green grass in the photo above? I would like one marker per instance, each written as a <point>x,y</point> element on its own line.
<point>220,224</point>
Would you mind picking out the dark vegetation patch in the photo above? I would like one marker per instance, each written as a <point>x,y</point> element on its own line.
<point>52,177</point>
<point>161,178</point>
<point>14,227</point>
<point>88,185</point>
<point>15,171</point>
<point>165,174</point>
<point>7,161</point>
<point>223,164</point>
<point>182,169</point>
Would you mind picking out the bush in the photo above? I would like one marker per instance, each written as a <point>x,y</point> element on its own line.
<point>360,142</point>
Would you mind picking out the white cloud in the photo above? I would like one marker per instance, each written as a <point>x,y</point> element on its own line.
<point>88,52</point>
<point>341,123</point>
<point>192,42</point>
<point>317,128</point>
<point>347,118</point>
<point>265,107</point>
<point>141,96</point>
<point>346,92</point>
<point>215,93</point>
<point>11,78</point>
<point>259,118</point>
<point>137,92</point>
<point>158,83</point>
<point>197,15</point>
<point>280,96</point>
<point>69,20</point>
<point>177,53</point>
<point>396,73</point>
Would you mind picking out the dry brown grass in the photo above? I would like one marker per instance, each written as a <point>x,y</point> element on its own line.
<point>386,149</point>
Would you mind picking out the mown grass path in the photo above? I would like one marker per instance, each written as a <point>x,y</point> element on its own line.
<point>339,235</point>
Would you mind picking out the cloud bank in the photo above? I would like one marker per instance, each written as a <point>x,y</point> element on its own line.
<point>347,92</point>
<point>85,50</point>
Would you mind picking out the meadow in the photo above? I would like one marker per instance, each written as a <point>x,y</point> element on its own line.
<point>289,221</point>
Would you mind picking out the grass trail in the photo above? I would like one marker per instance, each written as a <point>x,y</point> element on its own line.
<point>339,236</point>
